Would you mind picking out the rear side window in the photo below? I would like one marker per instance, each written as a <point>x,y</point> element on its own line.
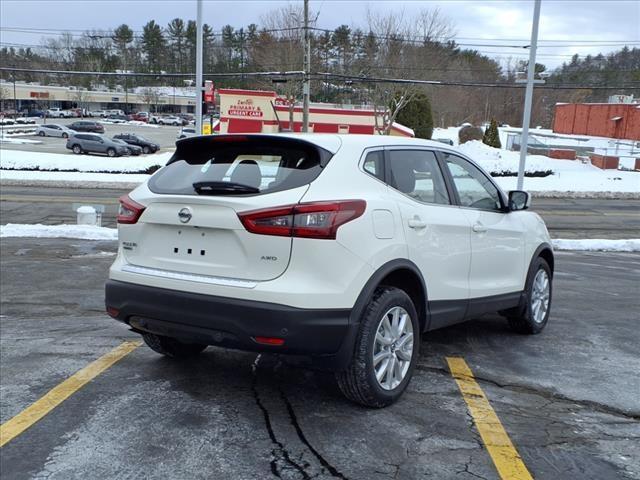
<point>374,164</point>
<point>245,165</point>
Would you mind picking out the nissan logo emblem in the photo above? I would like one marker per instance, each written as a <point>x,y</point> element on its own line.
<point>184,214</point>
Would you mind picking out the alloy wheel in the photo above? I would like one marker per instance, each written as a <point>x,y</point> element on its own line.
<point>540,294</point>
<point>393,348</point>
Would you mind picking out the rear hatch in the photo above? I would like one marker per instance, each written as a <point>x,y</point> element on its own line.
<point>191,224</point>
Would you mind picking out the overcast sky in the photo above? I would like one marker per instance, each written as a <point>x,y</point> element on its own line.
<point>583,25</point>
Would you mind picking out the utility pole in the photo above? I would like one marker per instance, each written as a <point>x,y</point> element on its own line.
<point>528,97</point>
<point>199,84</point>
<point>306,87</point>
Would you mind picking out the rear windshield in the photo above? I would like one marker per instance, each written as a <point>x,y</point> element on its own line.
<point>239,165</point>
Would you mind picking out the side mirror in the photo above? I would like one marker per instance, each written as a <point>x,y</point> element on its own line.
<point>519,200</point>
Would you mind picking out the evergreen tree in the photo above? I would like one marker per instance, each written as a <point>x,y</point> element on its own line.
<point>491,135</point>
<point>153,44</point>
<point>417,115</point>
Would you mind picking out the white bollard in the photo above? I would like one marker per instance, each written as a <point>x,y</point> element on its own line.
<point>87,215</point>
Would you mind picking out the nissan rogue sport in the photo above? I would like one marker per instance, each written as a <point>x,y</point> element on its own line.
<point>345,249</point>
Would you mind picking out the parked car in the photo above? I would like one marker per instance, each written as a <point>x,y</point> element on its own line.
<point>147,146</point>
<point>131,149</point>
<point>114,118</point>
<point>97,113</point>
<point>94,143</point>
<point>54,130</point>
<point>186,132</point>
<point>115,111</point>
<point>58,113</point>
<point>344,248</point>
<point>140,116</point>
<point>172,120</point>
<point>87,126</point>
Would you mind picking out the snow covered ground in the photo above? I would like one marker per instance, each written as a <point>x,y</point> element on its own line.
<point>569,178</point>
<point>598,244</point>
<point>21,160</point>
<point>87,232</point>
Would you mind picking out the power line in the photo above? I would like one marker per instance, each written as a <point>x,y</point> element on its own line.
<point>325,76</point>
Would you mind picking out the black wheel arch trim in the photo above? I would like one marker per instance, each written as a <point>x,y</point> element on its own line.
<point>537,253</point>
<point>341,359</point>
<point>375,280</point>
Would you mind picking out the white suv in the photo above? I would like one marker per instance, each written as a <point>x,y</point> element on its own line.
<point>346,249</point>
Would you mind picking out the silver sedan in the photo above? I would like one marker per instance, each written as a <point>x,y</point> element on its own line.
<point>54,130</point>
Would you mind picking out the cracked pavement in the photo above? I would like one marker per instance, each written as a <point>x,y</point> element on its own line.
<point>568,398</point>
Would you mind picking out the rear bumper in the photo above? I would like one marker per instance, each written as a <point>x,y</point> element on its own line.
<point>234,323</point>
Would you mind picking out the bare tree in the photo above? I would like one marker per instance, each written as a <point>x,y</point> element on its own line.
<point>150,96</point>
<point>279,47</point>
<point>80,97</point>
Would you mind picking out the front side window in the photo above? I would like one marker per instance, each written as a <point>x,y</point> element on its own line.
<point>474,187</point>
<point>416,173</point>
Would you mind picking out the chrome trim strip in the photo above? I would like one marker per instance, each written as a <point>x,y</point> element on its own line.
<point>189,277</point>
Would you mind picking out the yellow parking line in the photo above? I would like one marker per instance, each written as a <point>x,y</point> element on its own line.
<point>58,394</point>
<point>504,455</point>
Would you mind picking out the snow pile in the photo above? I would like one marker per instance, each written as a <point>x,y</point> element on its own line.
<point>84,232</point>
<point>89,232</point>
<point>598,244</point>
<point>503,162</point>
<point>17,140</point>
<point>21,160</point>
<point>72,179</point>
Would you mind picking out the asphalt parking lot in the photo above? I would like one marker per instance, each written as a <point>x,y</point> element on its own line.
<point>163,135</point>
<point>567,399</point>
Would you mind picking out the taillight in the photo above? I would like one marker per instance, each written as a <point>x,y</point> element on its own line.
<point>129,211</point>
<point>306,220</point>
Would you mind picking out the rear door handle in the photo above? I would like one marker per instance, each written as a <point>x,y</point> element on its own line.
<point>416,223</point>
<point>479,228</point>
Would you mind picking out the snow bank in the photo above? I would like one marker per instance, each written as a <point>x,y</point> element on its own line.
<point>21,160</point>
<point>18,140</point>
<point>598,244</point>
<point>84,232</point>
<point>72,179</point>
<point>87,232</point>
<point>568,176</point>
<point>497,161</point>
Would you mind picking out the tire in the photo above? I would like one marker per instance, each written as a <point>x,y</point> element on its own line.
<point>65,135</point>
<point>145,149</point>
<point>77,149</point>
<point>111,152</point>
<point>41,134</point>
<point>172,347</point>
<point>526,319</point>
<point>358,382</point>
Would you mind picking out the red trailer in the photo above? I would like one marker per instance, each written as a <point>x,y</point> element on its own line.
<point>612,120</point>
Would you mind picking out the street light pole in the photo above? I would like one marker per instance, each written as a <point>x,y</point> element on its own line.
<point>528,97</point>
<point>306,87</point>
<point>199,68</point>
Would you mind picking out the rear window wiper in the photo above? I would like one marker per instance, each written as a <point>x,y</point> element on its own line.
<point>223,188</point>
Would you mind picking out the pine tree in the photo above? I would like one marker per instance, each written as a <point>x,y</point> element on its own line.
<point>417,115</point>
<point>491,135</point>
